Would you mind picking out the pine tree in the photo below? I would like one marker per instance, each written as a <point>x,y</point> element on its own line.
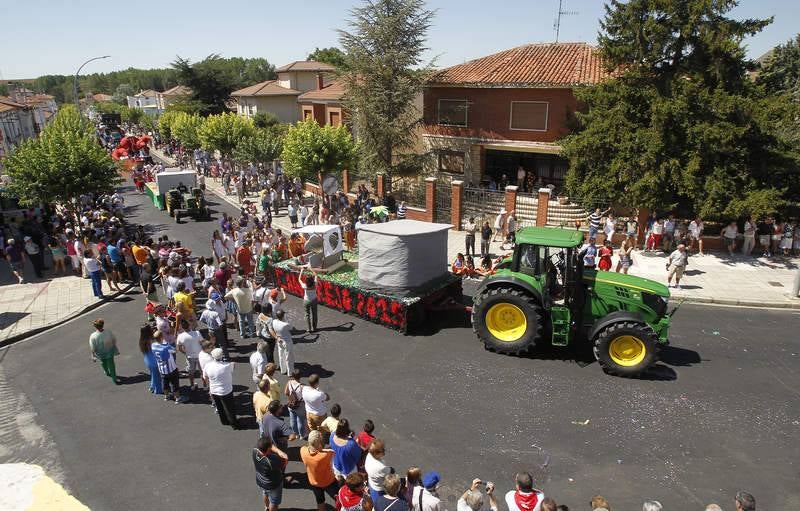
<point>384,74</point>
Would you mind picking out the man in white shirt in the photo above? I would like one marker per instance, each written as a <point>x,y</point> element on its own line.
<point>525,497</point>
<point>188,342</point>
<point>696,234</point>
<point>499,225</point>
<point>749,237</point>
<point>220,385</point>
<point>376,468</point>
<point>259,361</point>
<point>425,497</point>
<point>314,400</point>
<point>282,331</point>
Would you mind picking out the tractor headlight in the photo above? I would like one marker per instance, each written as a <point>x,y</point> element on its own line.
<point>656,302</point>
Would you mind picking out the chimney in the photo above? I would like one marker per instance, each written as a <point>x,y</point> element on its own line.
<point>320,81</point>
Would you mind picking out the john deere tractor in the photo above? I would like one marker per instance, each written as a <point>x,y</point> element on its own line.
<point>544,295</point>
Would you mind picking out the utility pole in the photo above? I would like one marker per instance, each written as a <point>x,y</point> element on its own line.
<point>561,12</point>
<point>75,85</point>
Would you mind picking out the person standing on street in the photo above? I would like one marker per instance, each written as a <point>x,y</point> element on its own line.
<point>104,347</point>
<point>696,234</point>
<point>314,400</point>
<point>749,237</point>
<point>220,383</point>
<point>145,346</point>
<point>594,221</point>
<point>165,358</point>
<point>499,224</point>
<point>94,269</point>
<point>282,331</point>
<point>242,295</point>
<point>319,467</point>
<point>729,234</point>
<point>274,428</point>
<point>676,264</point>
<point>525,497</point>
<point>486,238</point>
<point>16,258</point>
<point>310,304</point>
<point>189,343</point>
<point>297,410</point>
<point>35,254</point>
<point>764,229</point>
<point>269,462</point>
<point>472,500</point>
<point>259,361</point>
<point>469,228</point>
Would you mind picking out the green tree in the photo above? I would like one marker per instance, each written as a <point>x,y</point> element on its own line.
<point>311,150</point>
<point>213,79</point>
<point>132,115</point>
<point>185,128</point>
<point>3,89</point>
<point>121,93</point>
<point>224,131</point>
<point>62,163</point>
<point>333,56</point>
<point>166,121</point>
<point>677,126</point>
<point>263,146</point>
<point>265,119</point>
<point>384,74</point>
<point>781,71</point>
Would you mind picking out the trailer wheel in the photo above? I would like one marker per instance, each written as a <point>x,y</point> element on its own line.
<point>626,348</point>
<point>507,320</point>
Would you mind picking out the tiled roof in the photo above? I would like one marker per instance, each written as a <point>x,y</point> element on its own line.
<point>149,93</point>
<point>531,65</point>
<point>334,91</point>
<point>268,88</point>
<point>6,104</point>
<point>101,98</point>
<point>178,90</point>
<point>306,65</point>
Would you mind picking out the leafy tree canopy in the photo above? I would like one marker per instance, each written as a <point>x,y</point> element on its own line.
<point>224,131</point>
<point>781,71</point>
<point>384,73</point>
<point>122,92</point>
<point>64,162</point>
<point>333,56</point>
<point>310,150</point>
<point>679,126</point>
<point>265,119</point>
<point>263,146</point>
<point>213,79</point>
<point>186,129</point>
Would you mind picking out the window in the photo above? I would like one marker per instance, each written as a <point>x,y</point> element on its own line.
<point>453,112</point>
<point>308,114</point>
<point>529,115</point>
<point>451,161</point>
<point>334,118</point>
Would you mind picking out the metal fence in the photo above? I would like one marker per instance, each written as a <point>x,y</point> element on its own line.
<point>444,203</point>
<point>482,204</point>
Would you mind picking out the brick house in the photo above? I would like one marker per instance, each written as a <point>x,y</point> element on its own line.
<point>280,96</point>
<point>323,104</point>
<point>489,116</point>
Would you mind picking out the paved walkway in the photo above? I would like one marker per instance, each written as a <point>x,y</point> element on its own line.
<point>712,278</point>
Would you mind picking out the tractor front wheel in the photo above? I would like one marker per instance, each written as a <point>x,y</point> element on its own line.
<point>507,320</point>
<point>626,348</point>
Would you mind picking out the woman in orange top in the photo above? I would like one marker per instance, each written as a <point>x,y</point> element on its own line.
<point>319,467</point>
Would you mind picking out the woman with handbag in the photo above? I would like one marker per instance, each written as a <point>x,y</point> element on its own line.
<point>297,412</point>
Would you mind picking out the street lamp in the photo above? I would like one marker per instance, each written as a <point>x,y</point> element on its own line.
<point>75,83</point>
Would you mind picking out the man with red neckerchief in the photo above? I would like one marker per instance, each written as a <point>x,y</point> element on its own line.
<point>525,497</point>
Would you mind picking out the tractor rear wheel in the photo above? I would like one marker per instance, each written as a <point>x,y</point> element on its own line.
<point>626,348</point>
<point>507,320</point>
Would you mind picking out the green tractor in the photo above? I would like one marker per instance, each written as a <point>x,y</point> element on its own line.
<point>543,295</point>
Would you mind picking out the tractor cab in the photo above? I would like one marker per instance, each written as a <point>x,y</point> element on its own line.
<point>544,294</point>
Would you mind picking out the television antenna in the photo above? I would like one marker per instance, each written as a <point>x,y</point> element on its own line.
<point>561,12</point>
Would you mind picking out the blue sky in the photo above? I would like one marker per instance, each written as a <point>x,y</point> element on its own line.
<point>62,34</point>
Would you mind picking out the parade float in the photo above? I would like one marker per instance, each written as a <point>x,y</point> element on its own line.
<point>397,279</point>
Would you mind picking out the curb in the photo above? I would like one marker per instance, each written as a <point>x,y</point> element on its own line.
<point>732,302</point>
<point>30,333</point>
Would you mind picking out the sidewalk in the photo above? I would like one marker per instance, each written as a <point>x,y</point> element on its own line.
<point>713,278</point>
<point>26,309</point>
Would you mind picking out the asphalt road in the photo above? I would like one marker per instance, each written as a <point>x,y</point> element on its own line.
<point>720,413</point>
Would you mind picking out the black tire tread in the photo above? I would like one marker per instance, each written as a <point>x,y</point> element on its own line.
<point>647,334</point>
<point>516,292</point>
